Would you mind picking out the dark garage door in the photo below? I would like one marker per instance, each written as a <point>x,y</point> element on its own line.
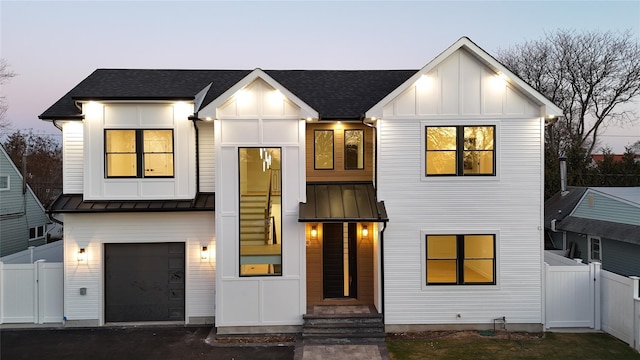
<point>144,282</point>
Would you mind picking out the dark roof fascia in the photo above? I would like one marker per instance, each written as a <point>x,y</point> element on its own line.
<point>134,98</point>
<point>604,229</point>
<point>62,117</point>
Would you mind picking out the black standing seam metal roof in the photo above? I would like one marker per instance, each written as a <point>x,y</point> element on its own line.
<point>342,202</point>
<point>335,94</point>
<point>74,203</point>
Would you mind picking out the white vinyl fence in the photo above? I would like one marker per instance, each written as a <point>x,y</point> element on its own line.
<point>31,293</point>
<point>580,295</point>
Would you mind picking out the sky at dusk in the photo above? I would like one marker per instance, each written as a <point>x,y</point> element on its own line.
<point>53,45</point>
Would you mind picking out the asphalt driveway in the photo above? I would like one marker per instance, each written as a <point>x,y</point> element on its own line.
<point>158,343</point>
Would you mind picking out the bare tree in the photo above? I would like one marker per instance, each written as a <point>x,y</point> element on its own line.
<point>43,167</point>
<point>5,75</point>
<point>589,75</point>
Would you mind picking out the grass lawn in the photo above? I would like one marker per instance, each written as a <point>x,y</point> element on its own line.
<point>474,346</point>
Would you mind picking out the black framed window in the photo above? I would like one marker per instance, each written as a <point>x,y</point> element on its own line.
<point>323,150</point>
<point>354,149</point>
<point>139,153</point>
<point>461,259</point>
<point>460,150</point>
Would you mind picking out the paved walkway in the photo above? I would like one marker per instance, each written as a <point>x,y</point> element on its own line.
<point>338,352</point>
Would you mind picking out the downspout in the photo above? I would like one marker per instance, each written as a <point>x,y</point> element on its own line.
<point>194,118</point>
<point>384,227</point>
<point>384,224</point>
<point>375,149</point>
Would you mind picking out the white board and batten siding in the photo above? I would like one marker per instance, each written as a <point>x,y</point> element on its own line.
<point>460,90</point>
<point>92,231</point>
<point>99,117</point>
<point>207,161</point>
<point>259,116</point>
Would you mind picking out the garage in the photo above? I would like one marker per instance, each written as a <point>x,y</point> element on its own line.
<point>144,282</point>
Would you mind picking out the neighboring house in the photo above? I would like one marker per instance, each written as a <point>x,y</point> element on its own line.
<point>23,220</point>
<point>597,224</point>
<point>247,197</point>
<point>597,158</point>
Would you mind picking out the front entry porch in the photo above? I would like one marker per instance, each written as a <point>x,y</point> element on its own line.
<point>340,265</point>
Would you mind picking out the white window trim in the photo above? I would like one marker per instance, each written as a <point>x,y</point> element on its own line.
<point>589,243</point>
<point>8,183</point>
<point>423,259</point>
<point>449,122</point>
<point>44,232</point>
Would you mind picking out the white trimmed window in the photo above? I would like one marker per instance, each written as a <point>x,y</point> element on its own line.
<point>138,153</point>
<point>468,259</point>
<point>4,182</point>
<point>595,249</point>
<point>460,150</point>
<point>36,232</point>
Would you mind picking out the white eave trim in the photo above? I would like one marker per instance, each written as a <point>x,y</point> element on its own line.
<point>209,110</point>
<point>547,108</point>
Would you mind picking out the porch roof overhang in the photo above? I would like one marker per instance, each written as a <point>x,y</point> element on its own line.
<point>605,229</point>
<point>75,203</point>
<point>342,202</point>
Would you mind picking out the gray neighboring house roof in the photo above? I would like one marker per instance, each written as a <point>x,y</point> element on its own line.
<point>560,205</point>
<point>606,229</point>
<point>335,94</point>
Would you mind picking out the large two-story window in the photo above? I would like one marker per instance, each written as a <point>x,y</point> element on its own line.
<point>139,153</point>
<point>260,211</point>
<point>460,150</point>
<point>461,259</point>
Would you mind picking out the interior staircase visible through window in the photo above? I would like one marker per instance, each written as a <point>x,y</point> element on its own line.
<point>254,221</point>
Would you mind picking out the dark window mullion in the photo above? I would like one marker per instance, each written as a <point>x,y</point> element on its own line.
<point>460,150</point>
<point>460,258</point>
<point>140,153</point>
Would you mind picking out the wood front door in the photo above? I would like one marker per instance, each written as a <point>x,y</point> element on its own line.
<point>339,261</point>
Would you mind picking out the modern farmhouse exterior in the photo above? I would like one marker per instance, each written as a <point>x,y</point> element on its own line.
<point>245,197</point>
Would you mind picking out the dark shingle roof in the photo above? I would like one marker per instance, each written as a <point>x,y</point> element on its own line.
<point>120,84</point>
<point>341,94</point>
<point>560,206</point>
<point>605,229</point>
<point>335,94</point>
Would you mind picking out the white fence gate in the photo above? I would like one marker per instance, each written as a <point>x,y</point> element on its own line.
<point>31,293</point>
<point>579,295</point>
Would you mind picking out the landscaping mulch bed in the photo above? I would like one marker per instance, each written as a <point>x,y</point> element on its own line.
<point>465,334</point>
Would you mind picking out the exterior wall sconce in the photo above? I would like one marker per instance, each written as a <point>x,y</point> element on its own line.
<point>314,231</point>
<point>365,231</point>
<point>204,254</point>
<point>82,255</point>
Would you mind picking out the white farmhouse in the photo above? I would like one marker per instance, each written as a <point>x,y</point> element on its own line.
<point>250,199</point>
